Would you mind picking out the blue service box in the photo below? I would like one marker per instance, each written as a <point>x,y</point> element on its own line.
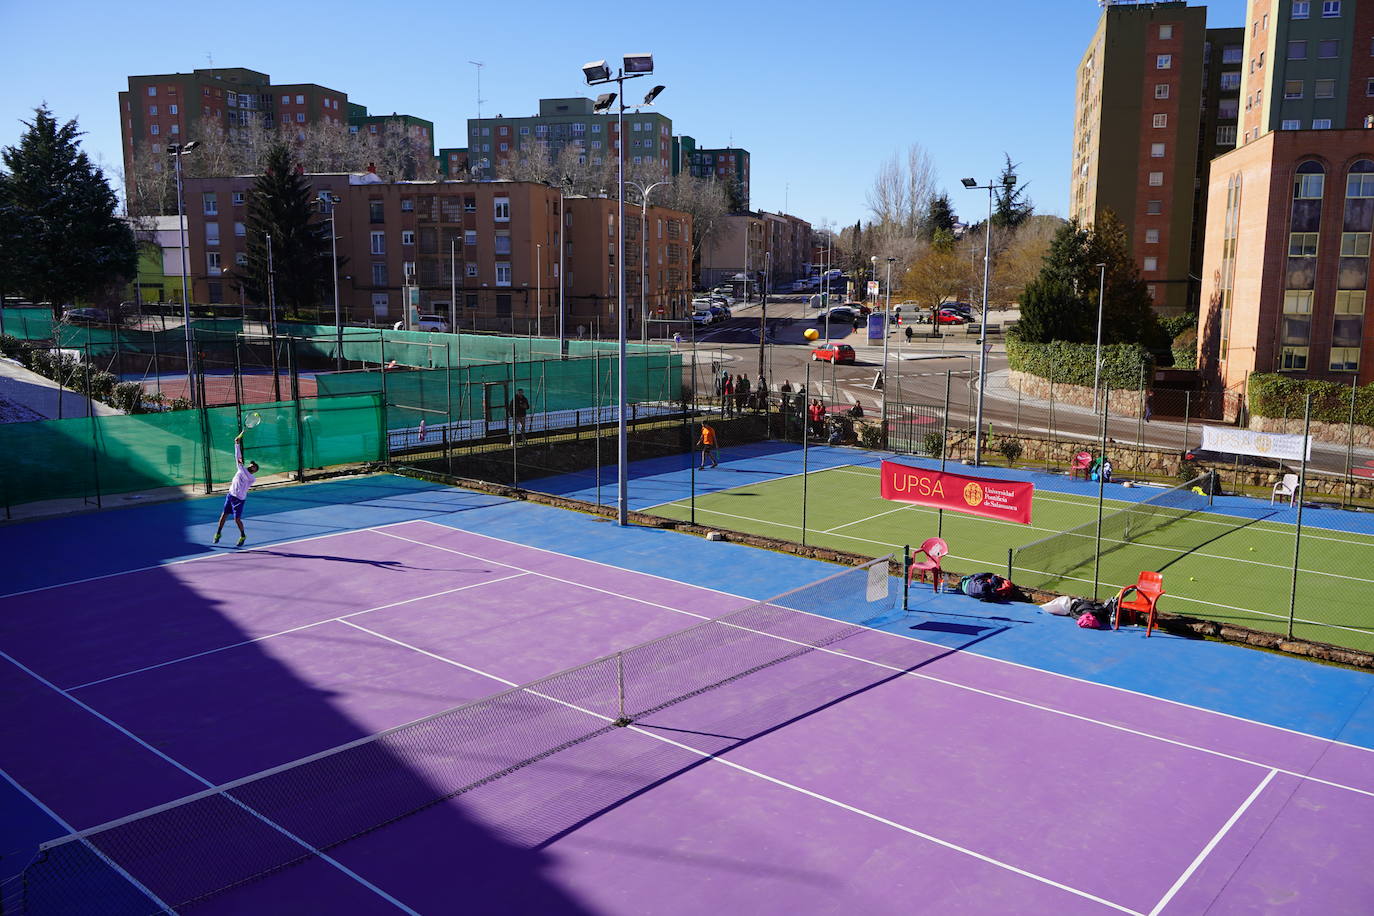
<point>876,322</point>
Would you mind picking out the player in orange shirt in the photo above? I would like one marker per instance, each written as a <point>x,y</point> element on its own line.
<point>709,447</point>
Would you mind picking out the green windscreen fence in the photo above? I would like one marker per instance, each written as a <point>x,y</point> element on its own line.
<point>28,323</point>
<point>479,392</point>
<point>106,341</point>
<point>92,457</point>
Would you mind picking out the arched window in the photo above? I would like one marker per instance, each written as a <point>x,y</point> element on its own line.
<point>1352,274</point>
<point>1309,181</point>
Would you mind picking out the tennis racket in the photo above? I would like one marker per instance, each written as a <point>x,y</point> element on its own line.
<point>252,420</point>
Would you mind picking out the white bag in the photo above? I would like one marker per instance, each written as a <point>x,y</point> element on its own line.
<point>1058,606</point>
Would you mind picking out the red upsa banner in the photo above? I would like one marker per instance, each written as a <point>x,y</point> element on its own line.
<point>1004,499</point>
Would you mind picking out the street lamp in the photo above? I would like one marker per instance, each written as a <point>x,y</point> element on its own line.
<point>874,261</point>
<point>328,202</point>
<point>972,184</point>
<point>176,151</point>
<point>1097,358</point>
<point>598,73</point>
<point>643,252</point>
<point>887,316</point>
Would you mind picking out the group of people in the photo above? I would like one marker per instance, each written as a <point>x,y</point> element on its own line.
<point>737,394</point>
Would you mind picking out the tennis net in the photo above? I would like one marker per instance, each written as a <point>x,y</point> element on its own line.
<point>1046,563</point>
<point>175,855</point>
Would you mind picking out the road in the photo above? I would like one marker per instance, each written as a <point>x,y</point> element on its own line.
<point>917,374</point>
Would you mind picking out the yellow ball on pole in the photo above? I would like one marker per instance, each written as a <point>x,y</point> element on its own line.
<point>811,334</point>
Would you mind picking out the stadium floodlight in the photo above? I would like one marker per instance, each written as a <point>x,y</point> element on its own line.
<point>970,182</point>
<point>596,71</point>
<point>652,94</point>
<point>639,63</point>
<point>603,103</point>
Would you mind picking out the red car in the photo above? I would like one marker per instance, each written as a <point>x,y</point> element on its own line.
<point>951,316</point>
<point>835,353</point>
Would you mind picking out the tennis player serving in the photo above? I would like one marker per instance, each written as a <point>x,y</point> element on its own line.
<point>238,491</point>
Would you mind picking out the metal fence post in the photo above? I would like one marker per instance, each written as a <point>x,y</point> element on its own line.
<point>806,438</point>
<point>386,425</point>
<point>1297,533</point>
<point>1097,548</point>
<point>291,361</point>
<point>1350,448</point>
<point>906,578</point>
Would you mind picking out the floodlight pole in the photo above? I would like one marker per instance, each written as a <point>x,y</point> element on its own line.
<point>643,248</point>
<point>887,316</point>
<point>177,151</point>
<point>1097,355</point>
<point>332,200</point>
<point>972,185</point>
<point>538,291</point>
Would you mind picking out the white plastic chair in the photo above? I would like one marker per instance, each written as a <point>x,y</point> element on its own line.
<point>1286,487</point>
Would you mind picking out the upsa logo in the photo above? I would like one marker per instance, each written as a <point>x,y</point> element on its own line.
<point>918,483</point>
<point>973,494</point>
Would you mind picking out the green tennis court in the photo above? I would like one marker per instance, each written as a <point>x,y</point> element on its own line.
<point>1219,566</point>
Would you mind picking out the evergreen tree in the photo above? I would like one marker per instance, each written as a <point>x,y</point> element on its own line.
<point>60,239</point>
<point>282,206</point>
<point>1050,310</point>
<point>1128,314</point>
<point>1010,207</point>
<point>939,217</point>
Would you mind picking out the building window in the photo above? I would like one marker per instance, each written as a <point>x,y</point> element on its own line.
<point>300,117</point>
<point>1154,207</point>
<point>1292,89</point>
<point>241,258</point>
<point>1160,120</point>
<point>1164,61</point>
<point>470,237</point>
<point>152,92</point>
<point>380,305</point>
<point>1232,54</point>
<point>1297,50</point>
<point>470,269</point>
<point>501,209</point>
<point>152,110</point>
<point>154,130</point>
<point>1293,359</point>
<point>407,237</point>
<point>1151,264</point>
<point>1166,32</point>
<point>1228,109</point>
<point>407,204</point>
<point>379,275</point>
<point>502,243</point>
<point>408,270</point>
<point>209,204</point>
<point>1302,245</point>
<point>1156,150</point>
<point>1156,179</point>
<point>1331,9</point>
<point>1345,359</point>
<point>240,230</point>
<point>1361,183</point>
<point>378,243</point>
<point>469,205</point>
<point>503,147</point>
<point>171,109</point>
<point>503,273</point>
<point>300,100</point>
<point>1226,135</point>
<point>1291,125</point>
<point>1324,89</point>
<point>525,131</point>
<point>286,100</point>
<point>212,233</point>
<point>1151,236</point>
<point>212,263</point>
<point>1230,80</point>
<point>237,197</point>
<point>376,212</point>
<point>1353,244</point>
<point>1321,123</point>
<point>1329,48</point>
<point>1301,9</point>
<point>1161,90</point>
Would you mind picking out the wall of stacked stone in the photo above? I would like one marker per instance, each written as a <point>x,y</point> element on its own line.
<point>1335,433</point>
<point>1123,403</point>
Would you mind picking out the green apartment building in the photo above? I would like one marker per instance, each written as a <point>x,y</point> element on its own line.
<point>570,122</point>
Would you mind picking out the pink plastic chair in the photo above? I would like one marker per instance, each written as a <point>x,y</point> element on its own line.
<point>1081,462</point>
<point>934,549</point>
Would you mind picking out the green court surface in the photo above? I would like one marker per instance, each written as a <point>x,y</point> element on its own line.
<point>1217,566</point>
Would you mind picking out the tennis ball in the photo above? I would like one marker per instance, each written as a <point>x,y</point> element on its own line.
<point>811,334</point>
<point>1252,550</point>
<point>1192,578</point>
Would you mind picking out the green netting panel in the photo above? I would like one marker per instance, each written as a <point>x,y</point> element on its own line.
<point>104,341</point>
<point>78,458</point>
<point>28,323</point>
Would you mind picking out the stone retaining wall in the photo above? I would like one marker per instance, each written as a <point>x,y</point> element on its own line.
<point>1123,403</point>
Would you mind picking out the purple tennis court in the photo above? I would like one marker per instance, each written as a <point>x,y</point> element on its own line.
<point>410,718</point>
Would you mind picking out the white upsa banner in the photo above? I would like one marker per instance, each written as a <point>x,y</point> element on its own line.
<point>1279,446</point>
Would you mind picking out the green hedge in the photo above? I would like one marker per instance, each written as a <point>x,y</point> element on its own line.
<point>1072,363</point>
<point>1280,396</point>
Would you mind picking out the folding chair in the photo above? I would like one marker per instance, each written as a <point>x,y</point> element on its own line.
<point>1149,588</point>
<point>934,549</point>
<point>1286,487</point>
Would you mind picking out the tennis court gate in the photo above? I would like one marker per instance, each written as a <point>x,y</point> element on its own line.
<point>910,424</point>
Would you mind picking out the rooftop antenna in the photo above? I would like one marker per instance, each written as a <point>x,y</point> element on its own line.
<point>786,197</point>
<point>479,65</point>
<point>210,58</point>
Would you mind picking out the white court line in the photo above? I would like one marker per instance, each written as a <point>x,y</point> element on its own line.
<point>205,782</point>
<point>917,674</point>
<point>786,785</point>
<point>990,658</point>
<point>199,558</point>
<point>1206,850</point>
<point>305,626</point>
<point>685,501</point>
<point>115,866</point>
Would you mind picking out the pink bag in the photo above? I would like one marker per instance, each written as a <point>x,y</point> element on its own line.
<point>1088,622</point>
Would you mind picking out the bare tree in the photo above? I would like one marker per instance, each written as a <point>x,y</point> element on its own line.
<point>1021,258</point>
<point>940,273</point>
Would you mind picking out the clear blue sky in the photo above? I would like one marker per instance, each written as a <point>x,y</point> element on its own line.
<point>819,93</point>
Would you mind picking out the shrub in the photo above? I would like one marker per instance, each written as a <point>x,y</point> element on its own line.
<point>14,348</point>
<point>102,385</point>
<point>871,435</point>
<point>1278,396</point>
<point>1072,363</point>
<point>127,396</point>
<point>1185,349</point>
<point>1009,449</point>
<point>933,444</point>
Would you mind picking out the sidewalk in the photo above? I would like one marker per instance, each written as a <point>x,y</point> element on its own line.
<point>27,396</point>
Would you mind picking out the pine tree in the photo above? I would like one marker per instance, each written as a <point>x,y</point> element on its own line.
<point>281,206</point>
<point>60,239</point>
<point>939,217</point>
<point>1051,310</point>
<point>1128,314</point>
<point>1011,207</point>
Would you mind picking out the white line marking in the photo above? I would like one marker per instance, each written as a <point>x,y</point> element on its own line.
<point>1206,850</point>
<point>115,866</point>
<point>198,558</point>
<point>205,782</point>
<point>305,626</point>
<point>990,658</point>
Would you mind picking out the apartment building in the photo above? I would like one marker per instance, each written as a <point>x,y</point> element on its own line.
<point>1286,271</point>
<point>1156,98</point>
<point>570,122</point>
<point>173,107</point>
<point>420,130</point>
<point>1309,65</point>
<point>729,164</point>
<point>787,247</point>
<point>493,243</point>
<point>452,162</point>
<point>736,253</point>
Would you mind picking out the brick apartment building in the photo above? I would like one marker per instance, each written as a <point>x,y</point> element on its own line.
<point>496,242</point>
<point>420,130</point>
<point>1156,99</point>
<point>736,253</point>
<point>570,122</point>
<point>787,247</point>
<point>728,164</point>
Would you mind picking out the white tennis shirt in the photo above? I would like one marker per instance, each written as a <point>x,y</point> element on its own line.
<point>238,487</point>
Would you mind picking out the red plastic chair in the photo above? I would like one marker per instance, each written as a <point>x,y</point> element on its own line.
<point>1149,588</point>
<point>934,549</point>
<point>1081,462</point>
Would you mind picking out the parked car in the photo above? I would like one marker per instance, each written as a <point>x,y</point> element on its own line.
<point>962,308</point>
<point>719,311</point>
<point>722,303</point>
<point>703,317</point>
<point>85,316</point>
<point>833,352</point>
<point>858,307</point>
<point>843,313</point>
<point>425,323</point>
<point>725,294</point>
<point>951,316</point>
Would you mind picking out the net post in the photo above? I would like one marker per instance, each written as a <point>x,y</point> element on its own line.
<point>1097,546</point>
<point>1297,533</point>
<point>292,358</point>
<point>205,432</point>
<point>806,437</point>
<point>620,718</point>
<point>386,427</point>
<point>1009,553</point>
<point>906,578</point>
